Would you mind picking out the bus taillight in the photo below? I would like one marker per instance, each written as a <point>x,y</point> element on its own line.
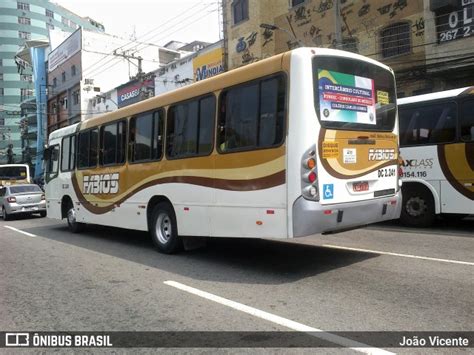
<point>309,175</point>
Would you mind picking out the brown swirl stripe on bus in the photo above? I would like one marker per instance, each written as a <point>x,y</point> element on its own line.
<point>449,175</point>
<point>470,155</point>
<point>265,182</point>
<point>338,175</point>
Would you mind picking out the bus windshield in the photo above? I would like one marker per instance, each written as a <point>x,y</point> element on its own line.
<point>353,95</point>
<point>13,172</point>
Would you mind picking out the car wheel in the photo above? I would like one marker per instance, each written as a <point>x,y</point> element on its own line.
<point>164,230</point>
<point>5,215</point>
<point>74,226</point>
<point>418,208</point>
<point>43,213</point>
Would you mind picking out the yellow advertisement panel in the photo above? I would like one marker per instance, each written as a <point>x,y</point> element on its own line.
<point>208,64</point>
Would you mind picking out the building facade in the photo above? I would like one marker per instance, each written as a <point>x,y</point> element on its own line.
<point>428,43</point>
<point>22,21</point>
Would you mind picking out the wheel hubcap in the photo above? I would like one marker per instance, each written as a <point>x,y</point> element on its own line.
<point>416,206</point>
<point>163,228</point>
<point>71,216</point>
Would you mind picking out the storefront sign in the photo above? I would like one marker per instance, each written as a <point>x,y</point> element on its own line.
<point>457,24</point>
<point>208,64</point>
<point>132,93</point>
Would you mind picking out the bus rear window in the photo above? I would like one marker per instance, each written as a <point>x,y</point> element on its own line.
<point>352,94</point>
<point>13,172</point>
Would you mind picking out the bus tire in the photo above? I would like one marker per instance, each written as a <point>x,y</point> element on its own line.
<point>418,208</point>
<point>74,226</point>
<point>164,229</point>
<point>5,215</point>
<point>43,214</point>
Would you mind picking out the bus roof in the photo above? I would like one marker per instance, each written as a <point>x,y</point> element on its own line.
<point>436,95</point>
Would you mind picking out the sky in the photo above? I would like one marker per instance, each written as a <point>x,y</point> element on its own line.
<point>152,21</point>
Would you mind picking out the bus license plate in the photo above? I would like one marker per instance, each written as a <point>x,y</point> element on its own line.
<point>360,186</point>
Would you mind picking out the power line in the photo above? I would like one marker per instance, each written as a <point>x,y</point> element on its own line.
<point>144,35</point>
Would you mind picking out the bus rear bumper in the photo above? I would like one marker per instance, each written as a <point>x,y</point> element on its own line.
<point>310,217</point>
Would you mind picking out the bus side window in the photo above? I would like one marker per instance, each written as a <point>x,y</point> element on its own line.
<point>157,146</point>
<point>466,119</point>
<point>53,161</point>
<point>428,124</point>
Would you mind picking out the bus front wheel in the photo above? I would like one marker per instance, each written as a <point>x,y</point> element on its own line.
<point>72,223</point>
<point>418,207</point>
<point>164,230</point>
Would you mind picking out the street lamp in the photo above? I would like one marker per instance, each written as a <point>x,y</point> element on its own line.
<point>274,28</point>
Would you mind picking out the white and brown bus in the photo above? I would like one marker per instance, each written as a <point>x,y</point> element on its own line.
<point>301,143</point>
<point>437,145</point>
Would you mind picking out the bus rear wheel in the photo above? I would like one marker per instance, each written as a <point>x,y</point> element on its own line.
<point>164,229</point>
<point>74,226</point>
<point>418,207</point>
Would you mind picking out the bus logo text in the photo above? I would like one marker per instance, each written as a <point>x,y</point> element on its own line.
<point>101,184</point>
<point>381,154</point>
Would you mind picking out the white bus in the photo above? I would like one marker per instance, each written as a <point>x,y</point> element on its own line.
<point>301,143</point>
<point>13,174</point>
<point>437,146</point>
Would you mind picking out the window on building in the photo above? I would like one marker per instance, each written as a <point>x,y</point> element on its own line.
<point>49,26</point>
<point>252,116</point>
<point>68,153</point>
<point>240,10</point>
<point>49,13</point>
<point>63,76</point>
<point>87,149</point>
<point>75,97</point>
<point>350,45</point>
<point>24,21</point>
<point>146,136</point>
<point>1,91</point>
<point>429,124</point>
<point>23,6</point>
<point>395,39</point>
<point>73,70</point>
<point>1,76</point>
<point>73,24</point>
<point>296,2</point>
<point>55,82</point>
<point>24,35</point>
<point>63,103</point>
<point>26,77</point>
<point>467,121</point>
<point>190,128</point>
<point>26,92</point>
<point>64,21</point>
<point>1,62</point>
<point>113,140</point>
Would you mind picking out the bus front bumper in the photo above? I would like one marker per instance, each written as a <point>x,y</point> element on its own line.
<point>310,217</point>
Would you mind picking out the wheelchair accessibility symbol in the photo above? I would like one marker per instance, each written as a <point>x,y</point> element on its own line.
<point>328,191</point>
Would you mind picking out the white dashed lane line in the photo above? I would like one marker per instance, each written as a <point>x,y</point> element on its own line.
<point>399,255</point>
<point>287,323</point>
<point>22,232</point>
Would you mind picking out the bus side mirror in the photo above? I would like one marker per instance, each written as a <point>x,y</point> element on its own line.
<point>47,154</point>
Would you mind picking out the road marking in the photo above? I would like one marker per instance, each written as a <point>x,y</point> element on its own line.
<point>20,231</point>
<point>321,334</point>
<point>397,254</point>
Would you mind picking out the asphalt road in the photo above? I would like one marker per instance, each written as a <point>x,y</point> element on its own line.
<point>380,278</point>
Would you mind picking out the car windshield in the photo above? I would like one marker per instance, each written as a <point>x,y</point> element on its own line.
<point>12,172</point>
<point>24,188</point>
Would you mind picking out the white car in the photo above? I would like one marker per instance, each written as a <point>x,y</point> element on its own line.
<point>22,199</point>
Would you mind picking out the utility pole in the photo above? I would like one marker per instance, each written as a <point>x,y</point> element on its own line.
<point>337,23</point>
<point>128,57</point>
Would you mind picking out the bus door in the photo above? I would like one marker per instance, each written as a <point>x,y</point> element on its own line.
<point>457,164</point>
